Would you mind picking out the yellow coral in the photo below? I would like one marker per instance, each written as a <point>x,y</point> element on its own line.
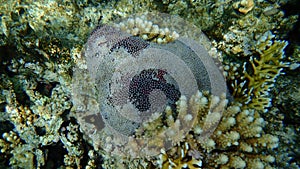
<point>265,71</point>
<point>10,140</point>
<point>244,6</point>
<point>180,159</point>
<point>259,78</point>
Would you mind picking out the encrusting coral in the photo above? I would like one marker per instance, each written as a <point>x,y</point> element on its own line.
<point>40,42</point>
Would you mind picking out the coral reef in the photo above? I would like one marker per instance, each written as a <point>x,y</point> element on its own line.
<point>40,42</point>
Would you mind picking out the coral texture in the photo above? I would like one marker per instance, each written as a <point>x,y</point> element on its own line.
<point>256,41</point>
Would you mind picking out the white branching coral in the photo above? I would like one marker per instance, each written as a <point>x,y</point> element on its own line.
<point>240,130</point>
<point>140,26</point>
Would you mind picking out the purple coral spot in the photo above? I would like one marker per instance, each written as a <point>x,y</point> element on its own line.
<point>132,44</point>
<point>144,83</point>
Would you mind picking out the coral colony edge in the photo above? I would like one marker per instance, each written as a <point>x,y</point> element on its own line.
<point>149,84</point>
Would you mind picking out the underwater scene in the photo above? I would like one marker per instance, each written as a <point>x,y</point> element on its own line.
<point>142,84</point>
